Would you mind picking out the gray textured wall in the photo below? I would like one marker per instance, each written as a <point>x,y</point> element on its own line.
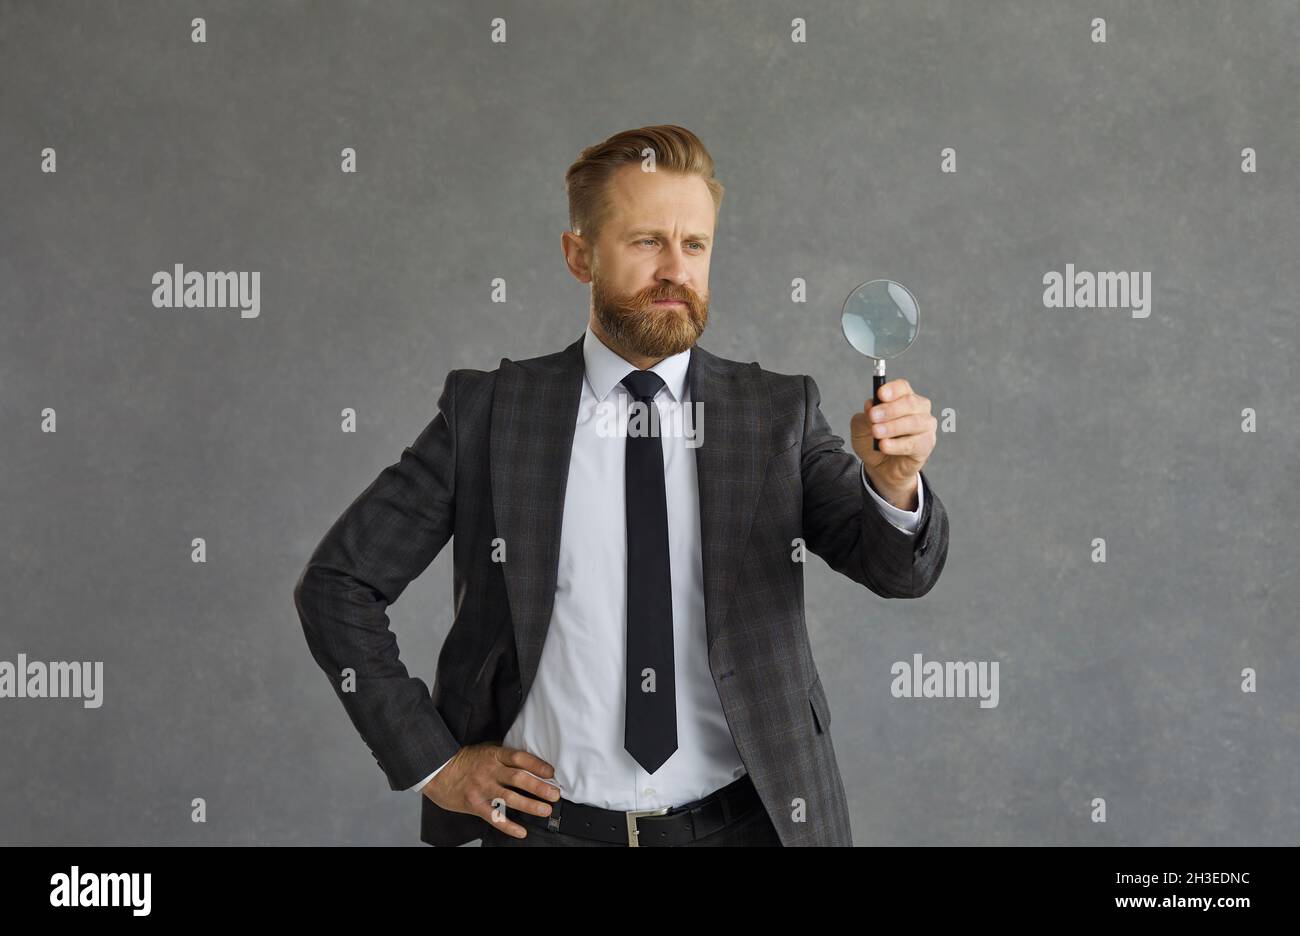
<point>1119,680</point>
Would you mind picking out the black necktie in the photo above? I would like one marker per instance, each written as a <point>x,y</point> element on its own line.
<point>650,728</point>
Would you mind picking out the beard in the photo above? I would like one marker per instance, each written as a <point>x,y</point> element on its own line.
<point>632,322</point>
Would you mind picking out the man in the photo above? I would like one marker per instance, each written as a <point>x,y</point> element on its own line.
<point>629,662</point>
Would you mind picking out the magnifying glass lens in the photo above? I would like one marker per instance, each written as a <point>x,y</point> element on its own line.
<point>880,319</point>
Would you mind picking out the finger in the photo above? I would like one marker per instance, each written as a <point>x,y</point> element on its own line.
<point>893,389</point>
<point>522,779</point>
<point>521,803</point>
<point>919,445</point>
<point>506,797</point>
<point>912,424</point>
<point>517,758</point>
<point>494,814</point>
<point>901,406</point>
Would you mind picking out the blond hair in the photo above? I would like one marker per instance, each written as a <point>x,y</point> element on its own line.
<point>675,148</point>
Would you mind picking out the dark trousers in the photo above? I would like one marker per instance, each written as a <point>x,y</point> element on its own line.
<point>749,830</point>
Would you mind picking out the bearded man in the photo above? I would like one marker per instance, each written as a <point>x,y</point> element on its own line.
<point>628,663</point>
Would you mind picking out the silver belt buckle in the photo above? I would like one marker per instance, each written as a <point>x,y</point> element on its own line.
<point>632,831</point>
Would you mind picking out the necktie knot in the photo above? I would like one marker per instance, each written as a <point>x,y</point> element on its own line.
<point>643,384</point>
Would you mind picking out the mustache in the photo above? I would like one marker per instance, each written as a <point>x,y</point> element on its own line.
<point>663,294</point>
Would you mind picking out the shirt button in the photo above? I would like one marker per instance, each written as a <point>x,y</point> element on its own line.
<point>648,791</point>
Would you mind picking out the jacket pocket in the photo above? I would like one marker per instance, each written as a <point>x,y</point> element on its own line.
<point>820,708</point>
<point>786,465</point>
<point>455,710</point>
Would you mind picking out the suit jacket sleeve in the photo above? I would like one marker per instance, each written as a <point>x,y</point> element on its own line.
<point>843,525</point>
<point>384,539</point>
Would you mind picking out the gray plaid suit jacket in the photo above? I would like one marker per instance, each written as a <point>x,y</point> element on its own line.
<point>494,462</point>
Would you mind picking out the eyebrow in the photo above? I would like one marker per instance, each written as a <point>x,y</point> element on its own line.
<point>643,233</point>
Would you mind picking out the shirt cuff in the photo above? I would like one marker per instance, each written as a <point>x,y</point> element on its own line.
<point>905,520</point>
<point>420,786</point>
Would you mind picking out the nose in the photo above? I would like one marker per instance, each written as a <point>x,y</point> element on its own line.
<point>673,266</point>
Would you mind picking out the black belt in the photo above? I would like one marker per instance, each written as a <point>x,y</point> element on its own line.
<point>675,825</point>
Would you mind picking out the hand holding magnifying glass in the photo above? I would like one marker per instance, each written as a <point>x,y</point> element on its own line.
<point>880,320</point>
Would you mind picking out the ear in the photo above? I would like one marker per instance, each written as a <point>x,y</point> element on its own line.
<point>577,256</point>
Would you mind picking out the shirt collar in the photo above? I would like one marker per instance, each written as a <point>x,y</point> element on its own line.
<point>606,369</point>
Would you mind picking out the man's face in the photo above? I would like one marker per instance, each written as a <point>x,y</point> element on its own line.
<point>654,246</point>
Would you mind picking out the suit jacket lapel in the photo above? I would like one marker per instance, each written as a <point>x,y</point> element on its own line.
<point>731,464</point>
<point>534,413</point>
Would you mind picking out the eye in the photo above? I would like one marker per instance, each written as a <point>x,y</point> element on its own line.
<point>648,240</point>
<point>698,244</point>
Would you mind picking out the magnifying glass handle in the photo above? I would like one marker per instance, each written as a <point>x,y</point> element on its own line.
<point>877,380</point>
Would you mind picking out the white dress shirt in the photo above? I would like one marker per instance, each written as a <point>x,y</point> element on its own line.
<point>573,717</point>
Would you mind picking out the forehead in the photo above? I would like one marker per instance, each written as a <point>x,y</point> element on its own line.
<point>661,197</point>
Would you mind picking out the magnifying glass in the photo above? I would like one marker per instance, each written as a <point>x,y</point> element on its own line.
<point>880,319</point>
